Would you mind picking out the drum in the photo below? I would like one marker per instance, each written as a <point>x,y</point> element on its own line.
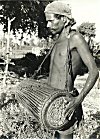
<point>47,104</point>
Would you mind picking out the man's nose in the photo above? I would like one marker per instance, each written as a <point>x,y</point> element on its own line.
<point>48,25</point>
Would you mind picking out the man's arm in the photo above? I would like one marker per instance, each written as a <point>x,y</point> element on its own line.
<point>78,42</point>
<point>84,52</point>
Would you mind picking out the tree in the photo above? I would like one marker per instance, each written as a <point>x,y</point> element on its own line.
<point>28,15</point>
<point>88,31</point>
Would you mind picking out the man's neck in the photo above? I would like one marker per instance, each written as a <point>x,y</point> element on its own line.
<point>62,35</point>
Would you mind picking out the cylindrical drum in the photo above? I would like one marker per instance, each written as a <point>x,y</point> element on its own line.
<point>47,104</point>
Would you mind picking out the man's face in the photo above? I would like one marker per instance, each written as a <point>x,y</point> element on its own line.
<point>54,24</point>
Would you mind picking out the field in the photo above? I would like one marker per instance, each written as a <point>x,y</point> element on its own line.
<point>17,52</point>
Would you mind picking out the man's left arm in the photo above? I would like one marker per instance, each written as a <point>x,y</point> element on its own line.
<point>82,47</point>
<point>84,52</point>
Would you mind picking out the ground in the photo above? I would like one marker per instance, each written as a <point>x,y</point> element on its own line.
<point>13,123</point>
<point>91,107</point>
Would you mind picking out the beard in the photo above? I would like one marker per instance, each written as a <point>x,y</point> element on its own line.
<point>54,32</point>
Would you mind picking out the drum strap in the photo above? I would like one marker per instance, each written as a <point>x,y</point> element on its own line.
<point>40,66</point>
<point>68,64</point>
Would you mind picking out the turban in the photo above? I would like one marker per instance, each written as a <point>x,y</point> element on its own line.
<point>58,7</point>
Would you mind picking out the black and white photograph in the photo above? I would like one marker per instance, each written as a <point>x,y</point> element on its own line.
<point>49,69</point>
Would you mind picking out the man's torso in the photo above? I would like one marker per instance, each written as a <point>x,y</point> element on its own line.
<point>58,75</point>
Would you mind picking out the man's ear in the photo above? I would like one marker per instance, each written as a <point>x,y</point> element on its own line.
<point>64,19</point>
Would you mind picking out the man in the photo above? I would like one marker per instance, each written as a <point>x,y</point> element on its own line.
<point>69,51</point>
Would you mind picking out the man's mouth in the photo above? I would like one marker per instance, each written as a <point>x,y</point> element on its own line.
<point>52,30</point>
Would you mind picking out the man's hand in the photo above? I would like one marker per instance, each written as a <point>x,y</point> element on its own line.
<point>71,106</point>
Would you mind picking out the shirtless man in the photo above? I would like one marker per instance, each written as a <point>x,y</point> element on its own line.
<point>58,17</point>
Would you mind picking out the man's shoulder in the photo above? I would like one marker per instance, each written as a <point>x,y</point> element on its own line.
<point>76,39</point>
<point>74,34</point>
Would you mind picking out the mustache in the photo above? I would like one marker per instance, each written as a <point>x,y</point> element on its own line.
<point>50,31</point>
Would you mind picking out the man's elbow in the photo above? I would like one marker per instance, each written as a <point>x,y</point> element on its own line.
<point>95,73</point>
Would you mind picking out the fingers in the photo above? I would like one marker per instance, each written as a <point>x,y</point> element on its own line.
<point>69,114</point>
<point>70,108</point>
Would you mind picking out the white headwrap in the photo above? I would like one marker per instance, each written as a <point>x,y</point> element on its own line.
<point>58,7</point>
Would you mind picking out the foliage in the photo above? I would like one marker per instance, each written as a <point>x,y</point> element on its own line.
<point>18,123</point>
<point>28,15</point>
<point>87,29</point>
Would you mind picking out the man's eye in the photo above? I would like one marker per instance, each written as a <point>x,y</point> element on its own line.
<point>50,20</point>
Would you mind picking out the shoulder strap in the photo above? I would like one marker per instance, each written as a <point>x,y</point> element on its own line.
<point>40,66</point>
<point>69,60</point>
<point>68,64</point>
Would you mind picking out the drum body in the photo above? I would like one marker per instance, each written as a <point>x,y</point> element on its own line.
<point>45,103</point>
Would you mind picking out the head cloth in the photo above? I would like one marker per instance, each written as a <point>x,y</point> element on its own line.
<point>58,7</point>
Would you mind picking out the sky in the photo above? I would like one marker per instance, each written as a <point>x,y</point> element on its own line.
<point>86,11</point>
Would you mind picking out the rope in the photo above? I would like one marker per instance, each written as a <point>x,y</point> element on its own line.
<point>40,66</point>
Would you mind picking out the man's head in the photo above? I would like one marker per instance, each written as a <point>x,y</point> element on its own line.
<point>58,15</point>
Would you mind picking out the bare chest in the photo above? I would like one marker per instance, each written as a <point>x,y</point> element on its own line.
<point>57,76</point>
<point>59,55</point>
